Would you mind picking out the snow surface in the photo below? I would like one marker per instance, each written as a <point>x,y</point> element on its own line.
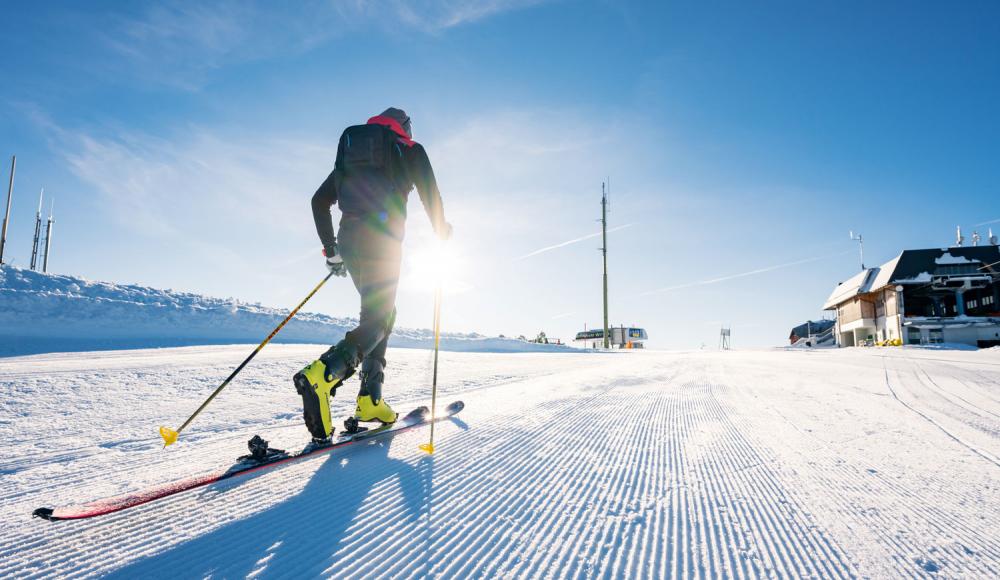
<point>42,313</point>
<point>791,463</point>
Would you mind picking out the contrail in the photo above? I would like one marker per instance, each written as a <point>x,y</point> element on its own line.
<point>996,221</point>
<point>566,243</point>
<point>743,274</point>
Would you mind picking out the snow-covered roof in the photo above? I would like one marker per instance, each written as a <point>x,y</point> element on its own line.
<point>947,258</point>
<point>915,267</point>
<point>921,278</point>
<point>920,266</point>
<point>811,327</point>
<point>885,273</point>
<point>860,283</point>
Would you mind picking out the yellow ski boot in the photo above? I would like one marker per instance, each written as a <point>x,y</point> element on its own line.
<point>316,384</point>
<point>369,410</point>
<point>371,405</point>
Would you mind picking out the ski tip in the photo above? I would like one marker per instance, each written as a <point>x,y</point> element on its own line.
<point>169,436</point>
<point>45,514</point>
<point>418,413</point>
<point>427,448</point>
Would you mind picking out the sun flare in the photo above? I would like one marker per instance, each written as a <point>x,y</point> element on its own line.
<point>433,264</point>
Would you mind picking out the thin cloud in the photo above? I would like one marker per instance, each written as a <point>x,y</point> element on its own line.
<point>181,44</point>
<point>206,192</point>
<point>438,15</point>
<point>569,242</point>
<point>742,274</point>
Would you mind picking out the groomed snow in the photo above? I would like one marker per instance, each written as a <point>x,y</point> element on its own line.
<point>821,463</point>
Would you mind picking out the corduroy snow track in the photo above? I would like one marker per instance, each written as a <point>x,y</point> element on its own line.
<point>742,464</point>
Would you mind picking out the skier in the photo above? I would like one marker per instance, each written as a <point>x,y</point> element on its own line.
<point>377,165</point>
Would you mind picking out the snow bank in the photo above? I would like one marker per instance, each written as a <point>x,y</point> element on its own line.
<point>56,313</point>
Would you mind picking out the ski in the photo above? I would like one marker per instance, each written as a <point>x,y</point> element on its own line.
<point>261,457</point>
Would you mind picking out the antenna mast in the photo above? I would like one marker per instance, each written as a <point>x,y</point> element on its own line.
<point>604,250</point>
<point>38,232</point>
<point>861,246</point>
<point>6,217</point>
<point>48,238</point>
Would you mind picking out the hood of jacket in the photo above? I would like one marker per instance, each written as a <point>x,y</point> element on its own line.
<point>397,120</point>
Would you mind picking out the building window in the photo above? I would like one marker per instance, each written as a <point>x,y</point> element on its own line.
<point>935,336</point>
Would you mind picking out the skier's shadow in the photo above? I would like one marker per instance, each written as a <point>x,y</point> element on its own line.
<point>300,536</point>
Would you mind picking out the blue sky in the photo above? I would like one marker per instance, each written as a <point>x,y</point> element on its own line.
<point>182,142</point>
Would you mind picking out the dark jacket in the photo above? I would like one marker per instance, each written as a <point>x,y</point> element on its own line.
<point>379,199</point>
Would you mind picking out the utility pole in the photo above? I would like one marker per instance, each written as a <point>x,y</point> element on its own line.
<point>604,250</point>
<point>48,238</point>
<point>38,232</point>
<point>6,217</point>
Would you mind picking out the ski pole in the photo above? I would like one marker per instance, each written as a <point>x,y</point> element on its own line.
<point>429,446</point>
<point>170,436</point>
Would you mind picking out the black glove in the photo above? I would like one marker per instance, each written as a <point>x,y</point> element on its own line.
<point>334,263</point>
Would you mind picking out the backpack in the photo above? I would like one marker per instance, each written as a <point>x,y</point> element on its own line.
<point>371,149</point>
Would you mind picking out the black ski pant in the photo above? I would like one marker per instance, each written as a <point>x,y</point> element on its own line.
<point>372,250</point>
